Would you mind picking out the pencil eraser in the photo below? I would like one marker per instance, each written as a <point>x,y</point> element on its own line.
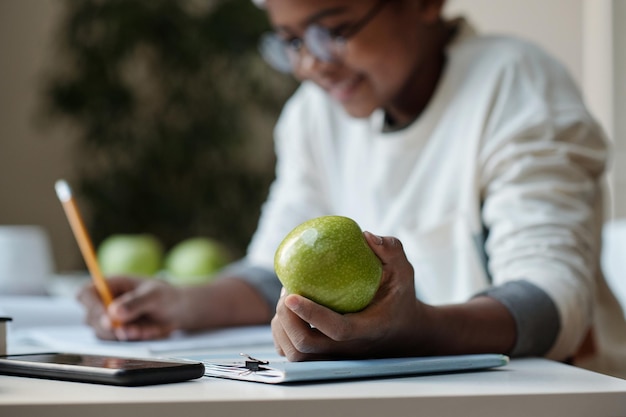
<point>63,190</point>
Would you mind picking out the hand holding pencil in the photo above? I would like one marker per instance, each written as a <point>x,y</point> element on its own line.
<point>134,308</point>
<point>142,309</point>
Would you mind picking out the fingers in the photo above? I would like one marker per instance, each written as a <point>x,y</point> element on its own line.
<point>89,297</point>
<point>281,341</point>
<point>295,338</point>
<point>305,330</point>
<point>334,325</point>
<point>137,310</point>
<point>388,249</point>
<point>96,316</point>
<point>289,332</point>
<point>145,299</point>
<point>396,266</point>
<point>143,329</point>
<point>150,311</point>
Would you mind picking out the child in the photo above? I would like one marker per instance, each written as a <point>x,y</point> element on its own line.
<point>475,153</point>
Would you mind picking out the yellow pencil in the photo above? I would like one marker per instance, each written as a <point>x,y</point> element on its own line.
<point>64,193</point>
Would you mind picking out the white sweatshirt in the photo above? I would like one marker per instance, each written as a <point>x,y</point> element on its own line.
<point>494,189</point>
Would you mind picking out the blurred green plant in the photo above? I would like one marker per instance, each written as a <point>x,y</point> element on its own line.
<point>173,111</point>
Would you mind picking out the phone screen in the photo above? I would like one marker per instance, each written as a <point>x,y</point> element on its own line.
<point>100,368</point>
<point>94,361</point>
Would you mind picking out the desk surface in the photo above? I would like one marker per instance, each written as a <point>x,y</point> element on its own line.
<point>526,387</point>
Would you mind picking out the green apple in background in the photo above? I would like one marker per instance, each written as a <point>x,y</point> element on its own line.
<point>195,261</point>
<point>328,260</point>
<point>130,254</point>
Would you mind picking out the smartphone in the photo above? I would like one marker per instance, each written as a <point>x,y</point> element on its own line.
<point>100,369</point>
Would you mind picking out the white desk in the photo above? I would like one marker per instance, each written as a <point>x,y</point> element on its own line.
<point>527,387</point>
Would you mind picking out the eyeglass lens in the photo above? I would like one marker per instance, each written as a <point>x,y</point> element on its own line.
<point>319,41</point>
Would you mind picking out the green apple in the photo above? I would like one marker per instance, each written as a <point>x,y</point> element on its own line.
<point>195,261</point>
<point>328,260</point>
<point>130,254</point>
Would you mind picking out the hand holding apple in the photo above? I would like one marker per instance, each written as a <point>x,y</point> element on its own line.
<point>394,324</point>
<point>327,260</point>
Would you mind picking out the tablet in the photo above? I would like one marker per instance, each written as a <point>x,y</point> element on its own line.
<point>100,369</point>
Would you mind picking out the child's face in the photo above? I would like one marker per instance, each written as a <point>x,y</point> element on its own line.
<point>376,62</point>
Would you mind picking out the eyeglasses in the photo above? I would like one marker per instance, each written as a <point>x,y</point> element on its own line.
<point>323,44</point>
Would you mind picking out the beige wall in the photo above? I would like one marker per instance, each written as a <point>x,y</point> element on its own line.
<point>32,158</point>
<point>618,105</point>
<point>554,24</point>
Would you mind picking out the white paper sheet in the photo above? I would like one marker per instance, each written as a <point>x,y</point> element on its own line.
<point>81,339</point>
<point>56,324</point>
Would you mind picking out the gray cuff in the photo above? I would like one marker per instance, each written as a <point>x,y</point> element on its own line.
<point>263,280</point>
<point>536,316</point>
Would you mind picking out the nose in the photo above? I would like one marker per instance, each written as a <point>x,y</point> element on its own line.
<point>307,60</point>
<point>306,64</point>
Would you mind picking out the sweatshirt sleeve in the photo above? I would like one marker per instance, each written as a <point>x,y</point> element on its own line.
<point>542,162</point>
<point>535,314</point>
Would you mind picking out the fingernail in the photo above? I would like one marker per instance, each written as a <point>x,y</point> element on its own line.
<point>116,310</point>
<point>105,323</point>
<point>377,239</point>
<point>113,310</point>
<point>121,334</point>
<point>292,303</point>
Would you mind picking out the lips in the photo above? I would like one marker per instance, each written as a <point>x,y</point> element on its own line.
<point>344,89</point>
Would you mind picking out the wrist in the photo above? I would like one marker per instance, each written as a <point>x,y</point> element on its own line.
<point>225,302</point>
<point>480,325</point>
<point>186,301</point>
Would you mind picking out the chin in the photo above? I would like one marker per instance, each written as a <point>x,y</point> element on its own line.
<point>358,110</point>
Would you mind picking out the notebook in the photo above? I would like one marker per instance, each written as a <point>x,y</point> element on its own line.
<point>277,369</point>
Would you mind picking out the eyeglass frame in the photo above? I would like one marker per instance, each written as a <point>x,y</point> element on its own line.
<point>283,55</point>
